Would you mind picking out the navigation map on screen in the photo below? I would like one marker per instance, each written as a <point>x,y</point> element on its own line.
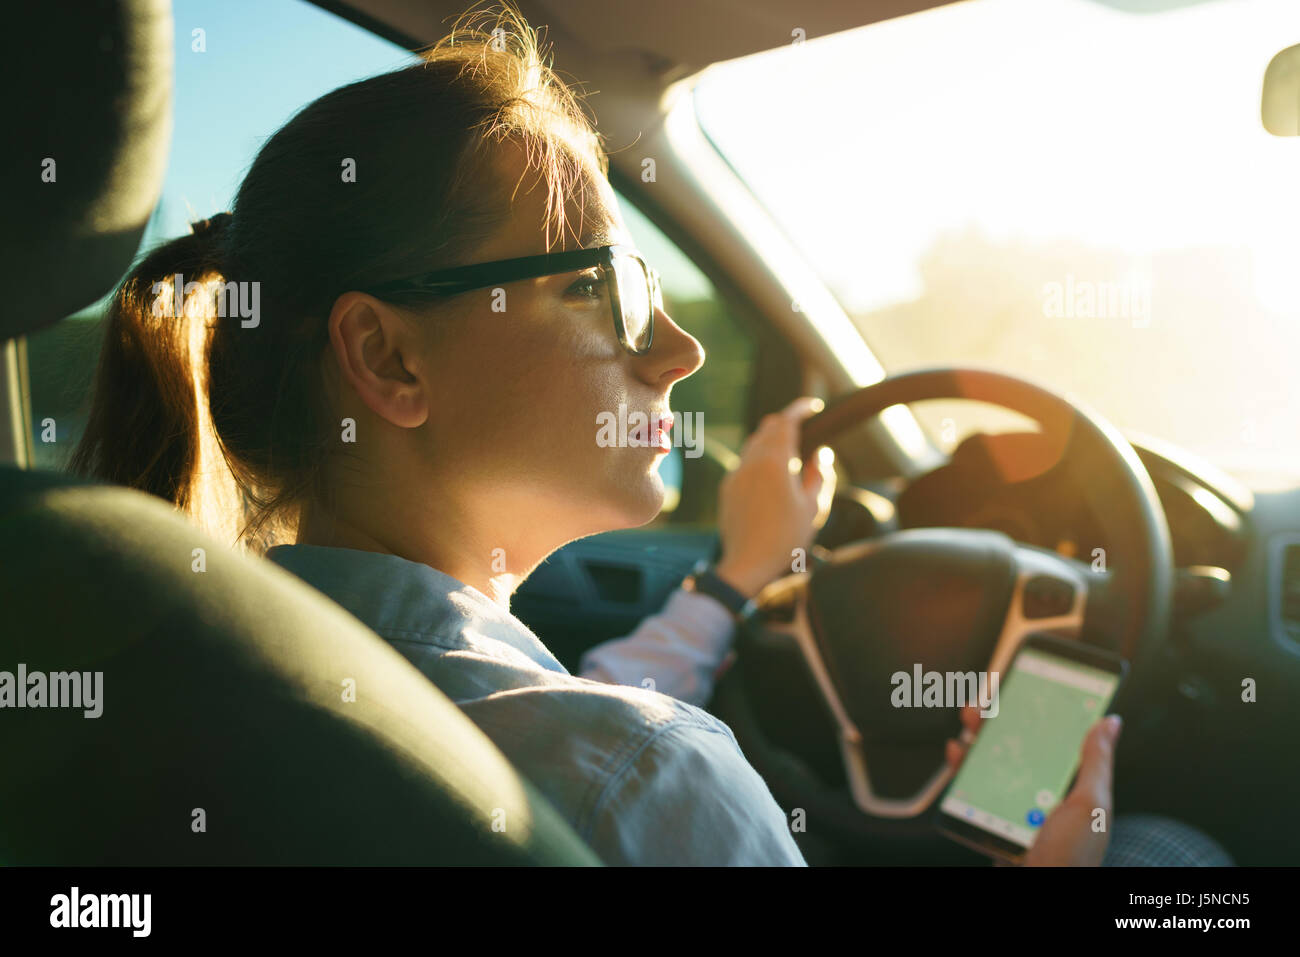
<point>1023,760</point>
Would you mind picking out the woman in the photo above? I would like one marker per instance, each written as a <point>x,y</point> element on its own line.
<point>427,433</point>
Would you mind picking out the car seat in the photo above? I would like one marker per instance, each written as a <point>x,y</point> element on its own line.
<point>227,734</point>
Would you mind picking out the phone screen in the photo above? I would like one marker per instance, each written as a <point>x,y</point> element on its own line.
<point>1024,758</point>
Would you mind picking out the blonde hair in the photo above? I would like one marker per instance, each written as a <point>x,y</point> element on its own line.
<point>545,112</point>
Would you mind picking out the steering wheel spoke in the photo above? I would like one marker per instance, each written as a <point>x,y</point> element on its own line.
<point>1051,595</point>
<point>783,606</point>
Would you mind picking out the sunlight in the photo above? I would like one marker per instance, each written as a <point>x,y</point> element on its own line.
<point>1121,156</point>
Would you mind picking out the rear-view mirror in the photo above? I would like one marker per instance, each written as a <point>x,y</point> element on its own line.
<point>1280,109</point>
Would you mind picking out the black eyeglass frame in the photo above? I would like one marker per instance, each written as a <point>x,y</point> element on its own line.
<point>460,279</point>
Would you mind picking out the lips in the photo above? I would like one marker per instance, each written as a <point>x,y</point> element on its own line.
<point>655,433</point>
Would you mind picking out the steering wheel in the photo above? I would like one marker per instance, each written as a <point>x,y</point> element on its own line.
<point>951,600</point>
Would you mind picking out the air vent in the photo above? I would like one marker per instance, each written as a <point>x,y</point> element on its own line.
<point>1289,593</point>
<point>616,583</point>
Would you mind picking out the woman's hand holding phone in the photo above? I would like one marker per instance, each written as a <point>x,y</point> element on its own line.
<point>1067,838</point>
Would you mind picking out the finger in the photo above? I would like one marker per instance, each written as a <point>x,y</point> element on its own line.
<point>953,753</point>
<point>825,494</point>
<point>1097,763</point>
<point>803,407</point>
<point>795,413</point>
<point>779,431</point>
<point>819,468</point>
<point>970,718</point>
<point>769,425</point>
<point>777,434</point>
<point>815,473</point>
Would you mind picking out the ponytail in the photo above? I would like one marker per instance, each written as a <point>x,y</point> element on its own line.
<point>144,423</point>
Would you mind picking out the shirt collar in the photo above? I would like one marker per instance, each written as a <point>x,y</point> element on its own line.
<point>395,596</point>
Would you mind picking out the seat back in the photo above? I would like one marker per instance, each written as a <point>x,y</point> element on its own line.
<point>243,718</point>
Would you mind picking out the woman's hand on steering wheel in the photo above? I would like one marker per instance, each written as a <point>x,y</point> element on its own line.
<point>772,504</point>
<point>1067,838</point>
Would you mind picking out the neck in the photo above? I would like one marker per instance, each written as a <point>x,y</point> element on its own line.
<point>492,563</point>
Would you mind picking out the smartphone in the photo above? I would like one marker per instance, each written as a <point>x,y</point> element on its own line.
<point>1024,758</point>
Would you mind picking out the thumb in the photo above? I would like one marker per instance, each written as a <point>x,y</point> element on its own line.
<point>1097,764</point>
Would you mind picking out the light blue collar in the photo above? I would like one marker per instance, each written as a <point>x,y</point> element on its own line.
<point>399,598</point>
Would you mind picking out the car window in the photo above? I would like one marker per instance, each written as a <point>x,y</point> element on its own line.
<point>1081,193</point>
<point>242,70</point>
<point>709,406</point>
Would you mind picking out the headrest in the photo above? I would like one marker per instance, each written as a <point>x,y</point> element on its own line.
<point>88,126</point>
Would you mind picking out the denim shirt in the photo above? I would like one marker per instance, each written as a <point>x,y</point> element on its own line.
<point>643,776</point>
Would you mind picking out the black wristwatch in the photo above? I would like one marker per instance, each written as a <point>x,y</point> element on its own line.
<point>704,580</point>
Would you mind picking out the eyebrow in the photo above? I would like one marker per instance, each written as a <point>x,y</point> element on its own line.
<point>603,236</point>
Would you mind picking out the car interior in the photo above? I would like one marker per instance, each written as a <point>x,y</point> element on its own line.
<point>1042,309</point>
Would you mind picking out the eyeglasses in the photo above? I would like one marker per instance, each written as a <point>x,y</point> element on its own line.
<point>633,288</point>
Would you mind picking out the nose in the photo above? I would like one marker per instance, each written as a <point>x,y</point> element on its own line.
<point>674,355</point>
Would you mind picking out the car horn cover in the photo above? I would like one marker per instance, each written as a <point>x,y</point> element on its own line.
<point>918,601</point>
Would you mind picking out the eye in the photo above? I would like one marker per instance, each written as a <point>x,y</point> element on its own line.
<point>588,286</point>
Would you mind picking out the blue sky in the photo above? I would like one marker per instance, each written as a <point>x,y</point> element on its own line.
<point>264,61</point>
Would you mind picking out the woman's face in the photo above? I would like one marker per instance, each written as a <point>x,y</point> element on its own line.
<point>521,391</point>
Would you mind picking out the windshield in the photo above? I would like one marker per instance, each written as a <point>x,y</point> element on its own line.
<point>1060,189</point>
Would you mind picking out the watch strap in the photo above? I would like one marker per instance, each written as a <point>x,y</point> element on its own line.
<point>705,580</point>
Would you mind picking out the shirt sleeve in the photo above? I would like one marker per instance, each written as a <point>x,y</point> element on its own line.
<point>680,650</point>
<point>689,798</point>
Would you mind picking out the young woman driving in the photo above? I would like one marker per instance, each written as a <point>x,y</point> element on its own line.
<point>449,299</point>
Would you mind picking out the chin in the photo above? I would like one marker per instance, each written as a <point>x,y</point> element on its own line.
<point>654,499</point>
<point>635,502</point>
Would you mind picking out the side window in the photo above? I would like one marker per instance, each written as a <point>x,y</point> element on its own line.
<point>241,71</point>
<point>715,397</point>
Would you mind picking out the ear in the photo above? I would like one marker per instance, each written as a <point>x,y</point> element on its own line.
<point>379,355</point>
